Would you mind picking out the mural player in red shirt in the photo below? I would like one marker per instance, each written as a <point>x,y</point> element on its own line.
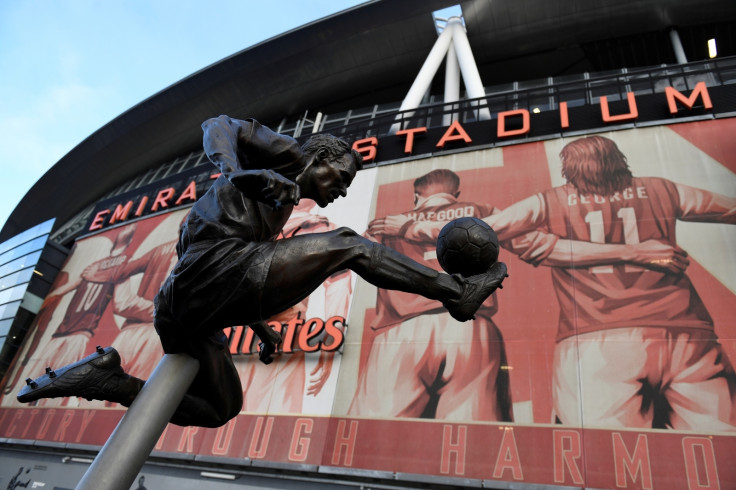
<point>448,370</point>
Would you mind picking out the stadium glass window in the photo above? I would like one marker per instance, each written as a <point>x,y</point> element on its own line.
<point>191,161</point>
<point>539,102</point>
<point>726,69</point>
<point>38,230</point>
<point>32,246</point>
<point>5,326</point>
<point>289,127</point>
<point>14,279</point>
<point>15,293</point>
<point>608,88</point>
<point>19,263</point>
<point>8,310</point>
<point>183,165</point>
<point>500,89</point>
<point>641,83</point>
<point>529,84</point>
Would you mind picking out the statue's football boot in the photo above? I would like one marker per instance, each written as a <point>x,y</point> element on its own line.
<point>98,376</point>
<point>475,291</point>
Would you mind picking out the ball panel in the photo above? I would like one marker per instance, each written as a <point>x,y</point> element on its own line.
<point>467,246</point>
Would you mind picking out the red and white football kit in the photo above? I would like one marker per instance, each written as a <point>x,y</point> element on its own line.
<point>138,343</point>
<point>636,346</point>
<point>423,363</point>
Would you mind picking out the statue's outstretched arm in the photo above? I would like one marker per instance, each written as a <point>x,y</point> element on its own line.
<point>228,142</point>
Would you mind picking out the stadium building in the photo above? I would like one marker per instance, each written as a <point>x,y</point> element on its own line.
<point>597,138</point>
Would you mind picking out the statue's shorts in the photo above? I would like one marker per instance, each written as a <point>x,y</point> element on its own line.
<point>215,284</point>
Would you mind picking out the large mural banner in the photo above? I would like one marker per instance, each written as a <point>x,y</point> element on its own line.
<point>604,362</point>
<point>102,296</point>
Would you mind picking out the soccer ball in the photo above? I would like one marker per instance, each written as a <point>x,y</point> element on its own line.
<point>467,246</point>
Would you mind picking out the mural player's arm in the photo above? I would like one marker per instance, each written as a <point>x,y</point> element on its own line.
<point>696,205</point>
<point>95,272</point>
<point>338,289</point>
<point>527,216</point>
<point>705,206</point>
<point>128,303</point>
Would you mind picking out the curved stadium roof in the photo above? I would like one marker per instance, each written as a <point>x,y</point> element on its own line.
<point>369,55</point>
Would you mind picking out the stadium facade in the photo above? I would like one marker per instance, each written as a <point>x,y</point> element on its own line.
<point>604,363</point>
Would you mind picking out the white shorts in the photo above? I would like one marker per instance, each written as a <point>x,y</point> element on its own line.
<point>644,377</point>
<point>274,388</point>
<point>433,366</point>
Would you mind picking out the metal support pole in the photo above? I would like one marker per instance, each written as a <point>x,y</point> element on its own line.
<point>452,84</point>
<point>317,123</point>
<point>130,444</point>
<point>471,76</point>
<point>424,78</point>
<point>677,47</point>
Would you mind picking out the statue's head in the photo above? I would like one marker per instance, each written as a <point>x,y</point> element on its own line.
<point>331,166</point>
<point>595,165</point>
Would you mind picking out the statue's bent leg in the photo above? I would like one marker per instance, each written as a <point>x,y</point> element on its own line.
<point>215,395</point>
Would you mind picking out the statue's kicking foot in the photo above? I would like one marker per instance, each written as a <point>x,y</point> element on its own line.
<point>475,291</point>
<point>98,376</point>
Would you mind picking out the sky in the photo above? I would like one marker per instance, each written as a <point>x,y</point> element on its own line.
<point>69,67</point>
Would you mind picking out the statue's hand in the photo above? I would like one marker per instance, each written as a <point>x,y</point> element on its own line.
<point>266,186</point>
<point>279,190</point>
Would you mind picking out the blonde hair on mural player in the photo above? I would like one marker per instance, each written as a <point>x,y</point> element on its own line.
<point>595,165</point>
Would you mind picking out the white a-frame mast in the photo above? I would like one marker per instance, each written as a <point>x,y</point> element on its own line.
<point>452,45</point>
